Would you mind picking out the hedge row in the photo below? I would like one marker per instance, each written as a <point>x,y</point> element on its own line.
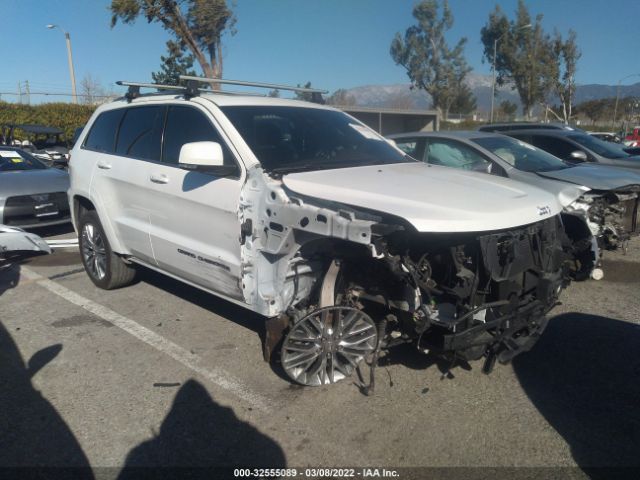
<point>66,116</point>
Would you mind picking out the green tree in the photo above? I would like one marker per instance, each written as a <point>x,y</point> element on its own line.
<point>596,110</point>
<point>464,101</point>
<point>197,25</point>
<point>173,65</point>
<point>524,54</point>
<point>430,63</point>
<point>508,109</point>
<point>275,93</point>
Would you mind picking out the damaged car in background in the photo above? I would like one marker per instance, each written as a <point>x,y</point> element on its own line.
<point>600,202</point>
<point>301,213</point>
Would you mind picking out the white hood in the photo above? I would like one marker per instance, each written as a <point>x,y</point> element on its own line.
<point>431,198</point>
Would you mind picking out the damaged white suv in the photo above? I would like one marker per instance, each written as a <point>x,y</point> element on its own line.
<point>304,215</point>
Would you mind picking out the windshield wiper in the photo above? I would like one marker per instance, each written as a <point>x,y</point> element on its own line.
<point>310,166</point>
<point>301,167</point>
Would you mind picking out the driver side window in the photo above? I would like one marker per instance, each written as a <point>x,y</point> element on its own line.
<point>450,153</point>
<point>555,146</point>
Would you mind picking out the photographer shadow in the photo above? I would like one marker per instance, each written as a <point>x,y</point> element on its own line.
<point>202,439</point>
<point>584,378</point>
<point>32,432</point>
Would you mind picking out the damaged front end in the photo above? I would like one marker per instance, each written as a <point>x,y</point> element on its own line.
<point>343,283</point>
<point>612,216</point>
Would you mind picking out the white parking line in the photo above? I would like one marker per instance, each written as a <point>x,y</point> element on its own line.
<point>216,376</point>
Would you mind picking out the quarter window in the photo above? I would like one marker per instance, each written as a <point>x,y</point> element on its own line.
<point>140,134</point>
<point>102,136</point>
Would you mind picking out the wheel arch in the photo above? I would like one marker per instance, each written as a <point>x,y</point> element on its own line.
<point>81,204</point>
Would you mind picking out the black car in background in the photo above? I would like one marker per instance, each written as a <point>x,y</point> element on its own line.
<point>576,146</point>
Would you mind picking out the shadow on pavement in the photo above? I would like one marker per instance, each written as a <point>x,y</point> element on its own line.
<point>54,230</point>
<point>584,378</point>
<point>9,276</point>
<point>198,434</point>
<point>621,271</point>
<point>218,306</point>
<point>32,432</point>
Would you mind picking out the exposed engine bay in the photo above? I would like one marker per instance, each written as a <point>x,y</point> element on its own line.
<point>611,218</point>
<point>343,284</point>
<point>464,296</point>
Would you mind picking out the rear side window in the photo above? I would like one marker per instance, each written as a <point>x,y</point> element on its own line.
<point>140,134</point>
<point>102,136</point>
<point>186,125</point>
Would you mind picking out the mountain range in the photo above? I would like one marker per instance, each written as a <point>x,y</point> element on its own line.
<point>400,95</point>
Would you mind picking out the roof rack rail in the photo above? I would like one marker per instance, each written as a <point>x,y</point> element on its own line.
<point>316,94</point>
<point>191,89</point>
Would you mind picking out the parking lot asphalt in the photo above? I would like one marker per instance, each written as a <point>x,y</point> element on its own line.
<point>160,373</point>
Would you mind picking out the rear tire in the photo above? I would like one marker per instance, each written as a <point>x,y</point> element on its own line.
<point>105,269</point>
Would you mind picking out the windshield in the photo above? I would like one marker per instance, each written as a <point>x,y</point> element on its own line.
<point>286,139</point>
<point>11,160</point>
<point>606,149</point>
<point>521,155</point>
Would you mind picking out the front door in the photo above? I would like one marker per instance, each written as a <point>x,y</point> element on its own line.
<point>195,232</point>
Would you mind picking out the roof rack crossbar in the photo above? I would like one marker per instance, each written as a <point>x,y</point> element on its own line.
<point>158,86</point>
<point>243,83</point>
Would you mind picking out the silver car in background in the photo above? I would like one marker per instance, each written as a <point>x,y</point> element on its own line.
<point>600,203</point>
<point>31,194</point>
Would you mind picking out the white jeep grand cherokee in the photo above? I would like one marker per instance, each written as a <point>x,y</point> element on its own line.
<point>301,213</point>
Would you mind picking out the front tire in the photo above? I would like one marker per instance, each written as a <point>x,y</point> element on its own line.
<point>105,269</point>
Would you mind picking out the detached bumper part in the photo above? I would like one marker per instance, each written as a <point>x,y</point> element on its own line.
<point>16,244</point>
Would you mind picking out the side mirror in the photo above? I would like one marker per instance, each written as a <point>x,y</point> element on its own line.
<point>205,157</point>
<point>578,156</point>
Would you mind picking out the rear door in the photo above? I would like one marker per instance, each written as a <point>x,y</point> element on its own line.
<point>120,179</point>
<point>195,232</point>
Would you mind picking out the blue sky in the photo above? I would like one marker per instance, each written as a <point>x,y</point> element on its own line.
<point>333,43</point>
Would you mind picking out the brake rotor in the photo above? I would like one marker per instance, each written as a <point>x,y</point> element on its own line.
<point>327,345</point>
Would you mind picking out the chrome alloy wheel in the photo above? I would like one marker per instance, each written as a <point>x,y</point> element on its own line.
<point>327,345</point>
<point>94,252</point>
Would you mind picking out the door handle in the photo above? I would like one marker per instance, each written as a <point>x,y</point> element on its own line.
<point>159,178</point>
<point>104,165</point>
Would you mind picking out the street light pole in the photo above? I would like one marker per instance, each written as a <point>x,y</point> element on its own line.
<point>493,66</point>
<point>615,109</point>
<point>72,73</point>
